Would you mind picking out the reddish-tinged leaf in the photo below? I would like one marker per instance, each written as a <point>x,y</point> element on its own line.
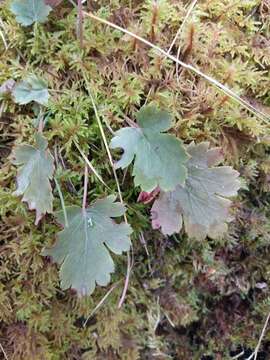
<point>202,202</point>
<point>147,197</point>
<point>53,3</point>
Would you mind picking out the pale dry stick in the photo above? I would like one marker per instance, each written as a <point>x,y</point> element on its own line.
<point>179,46</point>
<point>55,90</point>
<point>118,190</point>
<point>3,39</point>
<point>130,122</point>
<point>108,126</point>
<point>211,80</point>
<point>169,319</point>
<point>124,292</point>
<point>124,176</point>
<point>143,242</point>
<point>179,31</point>
<point>257,348</point>
<point>2,34</point>
<point>105,143</point>
<point>91,166</point>
<point>238,355</point>
<point>3,351</point>
<point>2,109</point>
<point>40,124</point>
<point>148,95</point>
<point>100,303</point>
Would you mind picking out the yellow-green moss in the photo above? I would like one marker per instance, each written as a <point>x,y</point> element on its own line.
<point>185,299</point>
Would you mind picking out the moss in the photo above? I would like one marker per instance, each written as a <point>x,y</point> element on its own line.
<point>185,299</point>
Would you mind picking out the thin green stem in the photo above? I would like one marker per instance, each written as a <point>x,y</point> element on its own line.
<point>129,266</point>
<point>91,166</point>
<point>62,201</point>
<point>85,186</point>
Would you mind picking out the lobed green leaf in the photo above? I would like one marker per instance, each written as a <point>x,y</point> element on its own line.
<point>202,202</point>
<point>29,11</point>
<point>35,171</point>
<point>159,158</point>
<point>31,89</point>
<point>80,247</point>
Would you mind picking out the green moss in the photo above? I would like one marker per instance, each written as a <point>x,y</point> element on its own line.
<point>185,299</point>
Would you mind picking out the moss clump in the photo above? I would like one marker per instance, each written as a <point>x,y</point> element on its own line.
<point>185,299</point>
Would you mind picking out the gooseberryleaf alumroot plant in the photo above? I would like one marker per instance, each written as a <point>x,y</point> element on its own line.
<point>202,203</point>
<point>36,167</point>
<point>159,158</point>
<point>191,192</point>
<point>28,12</point>
<point>200,190</point>
<point>80,247</point>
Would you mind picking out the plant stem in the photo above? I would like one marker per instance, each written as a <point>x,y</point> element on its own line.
<point>181,29</point>
<point>41,122</point>
<point>85,185</point>
<point>61,200</point>
<point>100,303</point>
<point>107,148</point>
<point>178,33</point>
<point>91,166</point>
<point>124,292</point>
<point>129,266</point>
<point>254,355</point>
<point>3,351</point>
